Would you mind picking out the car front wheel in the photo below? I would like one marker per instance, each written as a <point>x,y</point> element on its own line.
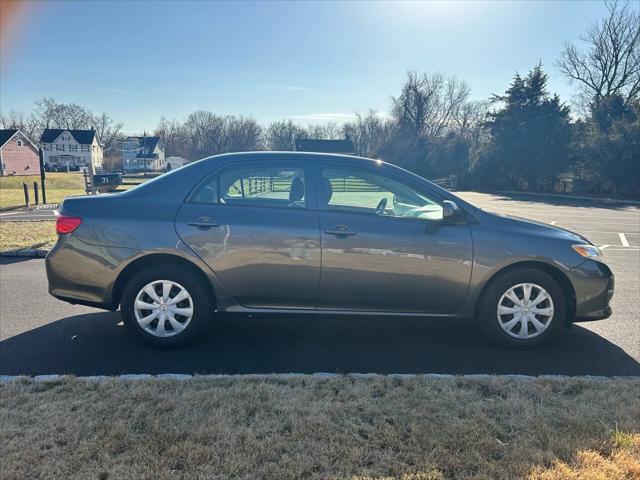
<point>165,307</point>
<point>522,308</point>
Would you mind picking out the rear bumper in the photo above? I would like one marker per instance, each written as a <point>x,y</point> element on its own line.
<point>594,286</point>
<point>87,303</point>
<point>84,274</point>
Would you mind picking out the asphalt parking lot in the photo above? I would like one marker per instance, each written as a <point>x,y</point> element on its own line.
<point>40,335</point>
<point>29,215</point>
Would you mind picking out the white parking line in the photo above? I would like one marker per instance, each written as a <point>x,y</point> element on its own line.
<point>623,239</point>
<point>618,248</point>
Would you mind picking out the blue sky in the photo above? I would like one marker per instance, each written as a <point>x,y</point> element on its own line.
<point>312,62</point>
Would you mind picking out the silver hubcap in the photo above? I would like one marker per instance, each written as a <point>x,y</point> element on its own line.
<point>525,311</point>
<point>163,308</point>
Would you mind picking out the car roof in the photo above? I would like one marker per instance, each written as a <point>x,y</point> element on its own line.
<point>293,154</point>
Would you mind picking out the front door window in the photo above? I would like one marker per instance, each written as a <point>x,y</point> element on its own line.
<point>356,190</point>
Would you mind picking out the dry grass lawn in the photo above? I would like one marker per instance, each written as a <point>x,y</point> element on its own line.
<point>31,235</point>
<point>15,197</point>
<point>623,462</point>
<point>313,427</point>
<point>59,186</point>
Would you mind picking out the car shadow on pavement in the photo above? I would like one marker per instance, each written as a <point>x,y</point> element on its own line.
<point>98,344</point>
<point>568,201</point>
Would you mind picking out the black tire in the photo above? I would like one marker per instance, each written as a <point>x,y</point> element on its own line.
<point>487,311</point>
<point>201,297</point>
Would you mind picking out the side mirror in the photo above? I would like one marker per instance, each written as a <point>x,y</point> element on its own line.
<point>450,211</point>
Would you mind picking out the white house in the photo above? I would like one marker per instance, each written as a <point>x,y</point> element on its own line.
<point>176,162</point>
<point>141,154</point>
<point>75,149</point>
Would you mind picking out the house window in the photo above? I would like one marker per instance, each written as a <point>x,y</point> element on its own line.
<point>73,148</point>
<point>60,147</point>
<point>19,142</point>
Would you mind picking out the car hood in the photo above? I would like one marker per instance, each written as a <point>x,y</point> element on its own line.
<point>536,227</point>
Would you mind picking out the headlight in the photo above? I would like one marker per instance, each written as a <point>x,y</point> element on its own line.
<point>589,251</point>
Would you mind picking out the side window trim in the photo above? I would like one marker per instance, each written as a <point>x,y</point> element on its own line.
<point>302,164</point>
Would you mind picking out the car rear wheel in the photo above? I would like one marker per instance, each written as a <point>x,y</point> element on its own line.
<point>522,308</point>
<point>166,306</point>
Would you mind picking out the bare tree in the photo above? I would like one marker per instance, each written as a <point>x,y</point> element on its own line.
<point>27,124</point>
<point>107,130</point>
<point>175,138</point>
<point>51,114</point>
<point>281,135</point>
<point>609,64</point>
<point>46,111</point>
<point>64,115</point>
<point>368,133</point>
<point>428,103</point>
<point>243,134</point>
<point>470,117</point>
<point>328,131</point>
<point>210,134</point>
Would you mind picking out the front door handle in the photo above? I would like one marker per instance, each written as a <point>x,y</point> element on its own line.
<point>203,223</point>
<point>340,231</point>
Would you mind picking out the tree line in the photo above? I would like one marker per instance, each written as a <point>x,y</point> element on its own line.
<point>525,139</point>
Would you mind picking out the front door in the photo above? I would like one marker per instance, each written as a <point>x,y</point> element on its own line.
<point>385,245</point>
<point>254,224</point>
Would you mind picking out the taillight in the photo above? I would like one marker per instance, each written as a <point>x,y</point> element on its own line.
<point>66,224</point>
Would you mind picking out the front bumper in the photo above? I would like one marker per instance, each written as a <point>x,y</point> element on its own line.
<point>594,285</point>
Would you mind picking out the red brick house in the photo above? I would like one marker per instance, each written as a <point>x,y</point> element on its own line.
<point>18,155</point>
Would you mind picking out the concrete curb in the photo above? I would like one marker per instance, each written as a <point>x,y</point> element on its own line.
<point>17,208</point>
<point>26,253</point>
<point>569,197</point>
<point>284,376</point>
<point>13,207</point>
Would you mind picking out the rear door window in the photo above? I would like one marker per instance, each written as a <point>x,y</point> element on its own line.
<point>267,186</point>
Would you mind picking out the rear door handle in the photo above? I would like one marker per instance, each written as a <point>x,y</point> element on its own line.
<point>203,223</point>
<point>340,231</point>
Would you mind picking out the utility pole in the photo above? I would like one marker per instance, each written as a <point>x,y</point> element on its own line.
<point>42,176</point>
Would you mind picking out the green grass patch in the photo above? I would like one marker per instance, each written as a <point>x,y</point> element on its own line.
<point>27,235</point>
<point>58,185</point>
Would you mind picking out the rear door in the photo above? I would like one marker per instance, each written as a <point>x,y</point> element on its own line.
<point>255,224</point>
<point>385,245</point>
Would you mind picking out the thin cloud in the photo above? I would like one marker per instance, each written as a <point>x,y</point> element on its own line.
<point>326,117</point>
<point>288,88</point>
<point>336,116</point>
<point>115,91</point>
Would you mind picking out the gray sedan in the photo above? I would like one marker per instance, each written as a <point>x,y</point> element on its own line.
<point>304,233</point>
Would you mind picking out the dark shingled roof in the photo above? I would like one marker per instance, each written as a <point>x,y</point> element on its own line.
<point>149,142</point>
<point>146,155</point>
<point>5,135</point>
<point>325,146</point>
<point>84,137</point>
